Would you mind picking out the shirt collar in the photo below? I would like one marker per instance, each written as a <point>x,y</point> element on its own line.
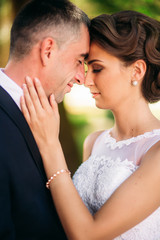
<point>13,89</point>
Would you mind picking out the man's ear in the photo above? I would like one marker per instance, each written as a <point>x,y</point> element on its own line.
<point>139,70</point>
<point>46,50</point>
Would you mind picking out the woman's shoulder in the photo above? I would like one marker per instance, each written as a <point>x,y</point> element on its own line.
<point>153,153</point>
<point>88,144</point>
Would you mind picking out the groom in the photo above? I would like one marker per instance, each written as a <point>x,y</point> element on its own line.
<point>49,40</point>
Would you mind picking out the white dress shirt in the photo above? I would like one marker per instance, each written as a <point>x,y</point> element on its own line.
<point>12,88</point>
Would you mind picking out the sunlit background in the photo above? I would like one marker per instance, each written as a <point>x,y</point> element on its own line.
<point>79,116</point>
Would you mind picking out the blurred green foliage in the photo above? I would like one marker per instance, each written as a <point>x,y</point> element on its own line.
<point>2,2</point>
<point>81,128</point>
<point>96,7</point>
<point>149,7</point>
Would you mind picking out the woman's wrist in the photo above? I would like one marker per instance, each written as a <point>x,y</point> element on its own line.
<point>49,149</point>
<point>55,175</point>
<point>53,158</point>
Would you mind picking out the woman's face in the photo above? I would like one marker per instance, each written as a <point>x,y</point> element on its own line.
<point>108,79</point>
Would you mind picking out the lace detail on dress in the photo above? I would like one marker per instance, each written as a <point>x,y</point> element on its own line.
<point>91,178</point>
<point>109,166</point>
<point>113,144</point>
<point>96,180</point>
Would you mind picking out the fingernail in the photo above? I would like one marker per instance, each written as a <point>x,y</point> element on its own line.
<point>52,96</point>
<point>24,85</point>
<point>28,79</point>
<point>37,80</point>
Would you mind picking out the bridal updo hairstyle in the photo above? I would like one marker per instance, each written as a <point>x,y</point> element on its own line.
<point>129,36</point>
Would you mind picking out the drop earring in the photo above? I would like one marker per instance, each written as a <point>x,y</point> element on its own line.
<point>134,83</point>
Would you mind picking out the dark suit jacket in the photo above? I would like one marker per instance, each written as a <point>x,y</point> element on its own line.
<point>26,207</point>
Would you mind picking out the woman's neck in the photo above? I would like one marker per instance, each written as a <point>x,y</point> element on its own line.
<point>133,121</point>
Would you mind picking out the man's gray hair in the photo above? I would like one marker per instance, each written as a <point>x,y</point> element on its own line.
<point>38,19</point>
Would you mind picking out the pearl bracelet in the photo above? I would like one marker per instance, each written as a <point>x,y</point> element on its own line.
<point>55,175</point>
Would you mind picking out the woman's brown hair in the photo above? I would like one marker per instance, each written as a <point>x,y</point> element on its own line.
<point>129,36</point>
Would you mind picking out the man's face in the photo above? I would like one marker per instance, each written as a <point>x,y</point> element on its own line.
<point>68,66</point>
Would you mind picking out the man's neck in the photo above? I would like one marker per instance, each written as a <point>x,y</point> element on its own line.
<point>17,71</point>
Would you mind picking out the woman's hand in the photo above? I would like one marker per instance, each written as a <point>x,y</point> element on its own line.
<point>43,119</point>
<point>41,115</point>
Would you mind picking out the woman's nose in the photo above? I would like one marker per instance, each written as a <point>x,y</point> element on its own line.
<point>88,80</point>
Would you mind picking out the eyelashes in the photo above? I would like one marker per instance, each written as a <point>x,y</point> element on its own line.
<point>94,71</point>
<point>97,70</point>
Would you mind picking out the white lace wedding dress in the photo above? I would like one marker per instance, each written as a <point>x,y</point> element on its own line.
<point>108,166</point>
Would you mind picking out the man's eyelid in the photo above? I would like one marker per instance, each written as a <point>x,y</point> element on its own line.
<point>81,61</point>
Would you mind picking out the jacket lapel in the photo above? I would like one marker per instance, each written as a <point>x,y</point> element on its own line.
<point>10,107</point>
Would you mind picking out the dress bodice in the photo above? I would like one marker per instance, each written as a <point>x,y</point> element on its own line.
<point>109,165</point>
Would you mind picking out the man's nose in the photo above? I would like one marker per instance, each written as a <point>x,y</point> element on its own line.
<point>80,76</point>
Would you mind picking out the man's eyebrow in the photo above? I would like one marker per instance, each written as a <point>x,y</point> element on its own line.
<point>92,61</point>
<point>84,55</point>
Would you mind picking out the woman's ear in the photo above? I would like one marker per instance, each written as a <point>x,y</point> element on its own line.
<point>138,70</point>
<point>46,50</point>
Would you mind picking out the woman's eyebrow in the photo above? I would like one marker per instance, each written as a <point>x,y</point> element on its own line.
<point>92,61</point>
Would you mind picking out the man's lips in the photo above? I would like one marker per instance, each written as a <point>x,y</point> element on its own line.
<point>70,84</point>
<point>95,94</point>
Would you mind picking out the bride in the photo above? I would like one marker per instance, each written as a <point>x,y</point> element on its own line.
<point>115,193</point>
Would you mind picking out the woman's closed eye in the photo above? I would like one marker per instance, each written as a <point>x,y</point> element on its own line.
<point>97,70</point>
